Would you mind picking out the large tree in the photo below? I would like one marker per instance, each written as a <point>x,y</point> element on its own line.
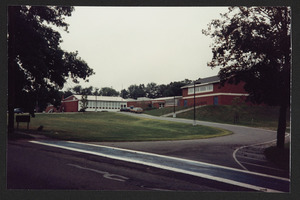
<point>152,90</point>
<point>37,66</point>
<point>136,91</point>
<point>124,94</point>
<point>253,45</point>
<point>107,91</point>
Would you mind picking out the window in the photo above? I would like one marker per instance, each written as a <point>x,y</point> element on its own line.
<point>201,89</point>
<point>191,90</point>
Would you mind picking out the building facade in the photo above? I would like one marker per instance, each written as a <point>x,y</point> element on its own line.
<point>94,103</point>
<point>162,102</point>
<point>207,91</point>
<point>210,92</point>
<point>166,102</point>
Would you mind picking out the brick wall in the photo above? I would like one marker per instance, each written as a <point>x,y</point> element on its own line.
<point>217,96</point>
<point>71,106</point>
<point>142,104</point>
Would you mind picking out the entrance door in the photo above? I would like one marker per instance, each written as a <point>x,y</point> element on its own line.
<point>185,103</point>
<point>216,100</point>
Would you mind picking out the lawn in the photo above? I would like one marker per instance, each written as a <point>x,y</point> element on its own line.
<point>163,111</point>
<point>108,126</point>
<point>255,116</point>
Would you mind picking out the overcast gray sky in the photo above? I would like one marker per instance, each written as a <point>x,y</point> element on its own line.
<point>139,45</point>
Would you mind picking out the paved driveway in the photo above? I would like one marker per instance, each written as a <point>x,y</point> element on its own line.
<point>226,151</point>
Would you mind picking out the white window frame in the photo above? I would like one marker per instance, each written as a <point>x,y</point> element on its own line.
<point>201,89</point>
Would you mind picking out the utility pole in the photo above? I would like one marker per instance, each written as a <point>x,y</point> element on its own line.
<point>174,114</point>
<point>194,123</point>
<point>96,102</point>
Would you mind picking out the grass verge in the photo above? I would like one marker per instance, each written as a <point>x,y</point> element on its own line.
<point>163,111</point>
<point>254,116</point>
<point>107,126</point>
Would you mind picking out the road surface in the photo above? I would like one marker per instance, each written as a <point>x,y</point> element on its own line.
<point>241,150</point>
<point>36,166</point>
<point>229,163</point>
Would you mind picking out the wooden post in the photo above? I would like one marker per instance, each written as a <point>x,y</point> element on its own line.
<point>23,118</point>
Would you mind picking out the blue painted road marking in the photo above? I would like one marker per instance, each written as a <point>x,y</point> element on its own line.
<point>242,178</point>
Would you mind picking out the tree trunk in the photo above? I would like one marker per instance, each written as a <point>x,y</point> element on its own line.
<point>281,126</point>
<point>11,68</point>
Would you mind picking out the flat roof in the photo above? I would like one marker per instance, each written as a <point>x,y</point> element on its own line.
<point>204,81</point>
<point>100,98</point>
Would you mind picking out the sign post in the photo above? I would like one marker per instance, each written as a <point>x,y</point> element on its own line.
<point>23,118</point>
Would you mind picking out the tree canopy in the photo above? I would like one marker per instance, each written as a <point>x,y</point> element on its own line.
<point>153,90</point>
<point>79,90</point>
<point>253,45</point>
<point>107,91</point>
<point>38,67</point>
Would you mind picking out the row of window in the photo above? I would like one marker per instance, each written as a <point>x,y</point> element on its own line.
<point>103,108</point>
<point>201,89</point>
<point>105,105</point>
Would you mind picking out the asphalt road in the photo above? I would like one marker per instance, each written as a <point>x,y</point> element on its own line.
<point>241,150</point>
<point>36,166</point>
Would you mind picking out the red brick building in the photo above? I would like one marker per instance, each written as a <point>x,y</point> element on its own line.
<point>161,102</point>
<point>94,103</point>
<point>141,102</point>
<point>210,92</point>
<point>70,104</point>
<point>207,92</point>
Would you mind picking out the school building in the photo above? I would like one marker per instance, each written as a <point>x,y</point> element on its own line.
<point>94,103</point>
<point>208,91</point>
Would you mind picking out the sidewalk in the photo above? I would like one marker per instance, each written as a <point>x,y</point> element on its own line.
<point>180,111</point>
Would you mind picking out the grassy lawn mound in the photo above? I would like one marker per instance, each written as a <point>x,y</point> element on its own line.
<point>254,116</point>
<point>108,126</point>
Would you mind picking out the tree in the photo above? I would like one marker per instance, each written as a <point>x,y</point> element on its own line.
<point>107,91</point>
<point>136,91</point>
<point>175,88</point>
<point>66,94</point>
<point>96,92</point>
<point>252,44</point>
<point>152,90</point>
<point>87,91</point>
<point>161,89</point>
<point>83,102</point>
<point>37,66</point>
<point>124,94</point>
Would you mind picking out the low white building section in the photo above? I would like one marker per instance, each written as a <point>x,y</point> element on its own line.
<point>102,103</point>
<point>167,101</point>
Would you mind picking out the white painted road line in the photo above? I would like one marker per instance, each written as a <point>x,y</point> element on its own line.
<point>107,175</point>
<point>180,159</point>
<point>248,158</point>
<point>241,178</point>
<point>235,152</point>
<point>262,166</point>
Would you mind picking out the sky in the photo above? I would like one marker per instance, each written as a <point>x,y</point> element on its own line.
<point>140,45</point>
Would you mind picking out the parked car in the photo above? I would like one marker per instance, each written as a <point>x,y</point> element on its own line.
<point>18,111</point>
<point>136,110</point>
<point>125,109</point>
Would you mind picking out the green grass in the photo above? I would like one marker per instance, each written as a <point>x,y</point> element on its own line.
<point>163,111</point>
<point>255,116</point>
<point>107,126</point>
